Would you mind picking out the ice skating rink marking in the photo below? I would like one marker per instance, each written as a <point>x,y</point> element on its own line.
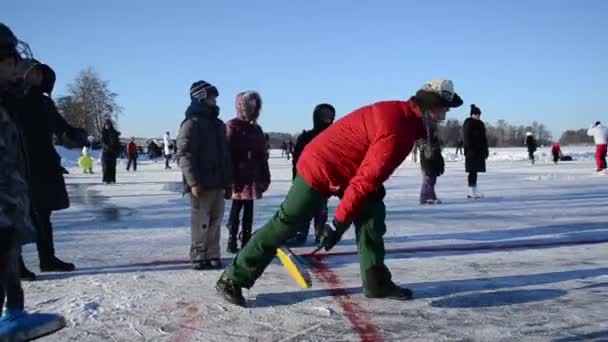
<point>412,250</point>
<point>362,324</point>
<point>465,247</point>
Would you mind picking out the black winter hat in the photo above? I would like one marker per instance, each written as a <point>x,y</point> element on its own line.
<point>475,110</point>
<point>323,115</point>
<point>8,42</point>
<point>201,90</point>
<point>48,79</point>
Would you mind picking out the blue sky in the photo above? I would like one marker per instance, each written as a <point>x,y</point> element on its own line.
<point>518,60</point>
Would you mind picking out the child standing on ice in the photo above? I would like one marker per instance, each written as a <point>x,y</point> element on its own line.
<point>351,159</point>
<point>204,157</point>
<point>86,161</point>
<point>432,165</point>
<point>251,173</point>
<point>322,117</point>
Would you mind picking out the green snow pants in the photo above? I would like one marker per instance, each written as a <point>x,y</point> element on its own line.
<point>300,206</point>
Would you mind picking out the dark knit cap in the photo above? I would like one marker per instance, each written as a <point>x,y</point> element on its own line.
<point>475,110</point>
<point>201,90</point>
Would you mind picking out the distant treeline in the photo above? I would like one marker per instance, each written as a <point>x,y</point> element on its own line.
<point>503,134</point>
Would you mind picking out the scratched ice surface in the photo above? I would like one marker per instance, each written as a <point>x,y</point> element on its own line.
<point>528,262</point>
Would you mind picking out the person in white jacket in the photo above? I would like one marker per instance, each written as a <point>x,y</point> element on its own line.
<point>600,136</point>
<point>168,149</point>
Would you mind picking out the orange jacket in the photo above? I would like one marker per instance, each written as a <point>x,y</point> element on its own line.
<point>356,155</point>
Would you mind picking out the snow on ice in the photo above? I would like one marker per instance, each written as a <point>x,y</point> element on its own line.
<point>528,262</point>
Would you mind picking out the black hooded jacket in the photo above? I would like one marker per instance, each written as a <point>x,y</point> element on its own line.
<point>40,120</point>
<point>307,136</point>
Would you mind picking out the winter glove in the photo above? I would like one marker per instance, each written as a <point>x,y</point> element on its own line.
<point>264,187</point>
<point>331,233</point>
<point>7,238</point>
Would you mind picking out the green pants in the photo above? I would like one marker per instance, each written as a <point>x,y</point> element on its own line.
<point>299,207</point>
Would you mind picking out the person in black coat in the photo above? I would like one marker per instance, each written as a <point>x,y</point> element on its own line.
<point>531,144</point>
<point>459,145</point>
<point>41,122</point>
<point>432,165</point>
<point>323,116</point>
<point>475,149</point>
<point>110,145</point>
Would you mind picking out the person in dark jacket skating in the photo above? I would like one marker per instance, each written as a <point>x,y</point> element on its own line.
<point>432,165</point>
<point>41,121</point>
<point>351,159</point>
<point>110,145</point>
<point>476,149</point>
<point>249,157</point>
<point>323,116</point>
<point>531,144</point>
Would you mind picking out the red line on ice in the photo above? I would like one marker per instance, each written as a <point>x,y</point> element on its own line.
<point>363,325</point>
<point>185,331</point>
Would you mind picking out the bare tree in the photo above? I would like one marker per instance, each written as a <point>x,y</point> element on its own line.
<point>88,102</point>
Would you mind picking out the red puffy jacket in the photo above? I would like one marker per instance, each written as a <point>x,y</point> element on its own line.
<point>356,155</point>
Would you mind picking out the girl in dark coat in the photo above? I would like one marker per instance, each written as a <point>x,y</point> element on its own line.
<point>250,161</point>
<point>110,145</point>
<point>475,149</point>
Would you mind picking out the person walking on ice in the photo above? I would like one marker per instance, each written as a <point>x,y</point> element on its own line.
<point>600,137</point>
<point>531,144</point>
<point>167,149</point>
<point>475,149</point>
<point>351,159</point>
<point>556,151</point>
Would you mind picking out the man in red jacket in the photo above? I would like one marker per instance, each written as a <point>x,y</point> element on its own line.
<point>351,159</point>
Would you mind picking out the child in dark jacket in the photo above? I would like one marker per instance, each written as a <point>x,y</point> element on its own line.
<point>432,165</point>
<point>247,146</point>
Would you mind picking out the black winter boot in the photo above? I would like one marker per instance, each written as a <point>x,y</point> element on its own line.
<point>380,285</point>
<point>24,273</point>
<point>232,234</point>
<point>54,264</point>
<point>230,291</point>
<point>215,264</point>
<point>200,265</point>
<point>245,235</point>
